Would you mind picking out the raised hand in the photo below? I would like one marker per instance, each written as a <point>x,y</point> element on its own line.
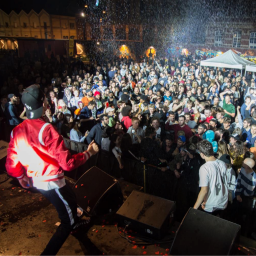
<point>93,148</point>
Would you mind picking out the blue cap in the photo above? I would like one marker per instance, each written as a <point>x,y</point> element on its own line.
<point>182,138</point>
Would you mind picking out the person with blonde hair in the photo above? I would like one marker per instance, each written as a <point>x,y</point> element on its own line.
<point>222,148</point>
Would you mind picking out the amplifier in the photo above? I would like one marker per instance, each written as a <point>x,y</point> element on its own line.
<point>147,214</point>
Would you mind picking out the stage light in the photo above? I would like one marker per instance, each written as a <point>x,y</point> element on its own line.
<point>98,43</point>
<point>100,20</point>
<point>82,14</point>
<point>104,12</point>
<point>97,2</point>
<point>86,6</point>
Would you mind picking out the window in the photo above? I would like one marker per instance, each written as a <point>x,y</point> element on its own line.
<point>134,34</point>
<point>218,38</point>
<point>108,33</point>
<point>252,42</point>
<point>34,24</point>
<point>237,39</point>
<point>120,33</point>
<point>15,24</point>
<point>72,25</point>
<point>6,24</point>
<point>45,25</point>
<point>65,37</point>
<point>24,24</point>
<point>72,37</point>
<point>96,33</point>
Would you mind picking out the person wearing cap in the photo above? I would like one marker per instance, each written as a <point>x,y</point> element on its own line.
<point>11,112</point>
<point>37,157</point>
<point>99,105</point>
<point>213,195</point>
<point>111,113</point>
<point>244,197</point>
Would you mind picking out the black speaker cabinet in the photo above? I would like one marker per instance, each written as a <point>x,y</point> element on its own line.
<point>148,215</point>
<point>203,234</point>
<point>97,192</point>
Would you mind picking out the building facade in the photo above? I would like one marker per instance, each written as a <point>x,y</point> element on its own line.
<point>40,25</point>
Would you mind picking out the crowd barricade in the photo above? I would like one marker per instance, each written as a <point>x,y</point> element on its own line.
<point>153,180</point>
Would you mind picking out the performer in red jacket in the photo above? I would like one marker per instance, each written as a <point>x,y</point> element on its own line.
<point>38,157</point>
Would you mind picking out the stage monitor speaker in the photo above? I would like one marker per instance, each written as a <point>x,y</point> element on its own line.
<point>201,233</point>
<point>97,192</point>
<point>148,215</point>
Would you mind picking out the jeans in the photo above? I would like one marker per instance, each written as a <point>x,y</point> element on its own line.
<point>64,200</point>
<point>243,214</point>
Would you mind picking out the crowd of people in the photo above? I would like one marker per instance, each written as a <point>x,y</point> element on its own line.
<point>198,124</point>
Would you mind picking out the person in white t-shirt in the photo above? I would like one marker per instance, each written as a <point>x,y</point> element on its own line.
<point>213,196</point>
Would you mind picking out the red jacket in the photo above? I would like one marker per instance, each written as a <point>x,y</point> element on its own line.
<point>37,150</point>
<point>127,121</point>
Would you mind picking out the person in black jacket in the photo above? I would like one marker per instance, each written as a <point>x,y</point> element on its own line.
<point>190,175</point>
<point>96,131</point>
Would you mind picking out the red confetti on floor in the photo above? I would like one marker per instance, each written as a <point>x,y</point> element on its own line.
<point>84,196</point>
<point>39,235</point>
<point>157,253</point>
<point>75,186</point>
<point>82,185</point>
<point>44,220</point>
<point>103,226</point>
<point>134,247</point>
<point>167,250</point>
<point>13,188</point>
<point>143,247</point>
<point>20,253</point>
<point>2,223</point>
<point>97,231</point>
<point>144,252</point>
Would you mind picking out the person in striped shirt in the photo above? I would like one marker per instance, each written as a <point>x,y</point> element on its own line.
<point>244,197</point>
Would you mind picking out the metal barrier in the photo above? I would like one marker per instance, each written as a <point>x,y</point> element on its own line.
<point>153,180</point>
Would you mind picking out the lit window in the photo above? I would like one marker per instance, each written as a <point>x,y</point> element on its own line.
<point>237,39</point>
<point>24,24</point>
<point>218,38</point>
<point>252,42</point>
<point>72,25</point>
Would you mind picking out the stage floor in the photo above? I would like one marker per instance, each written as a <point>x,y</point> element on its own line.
<point>28,220</point>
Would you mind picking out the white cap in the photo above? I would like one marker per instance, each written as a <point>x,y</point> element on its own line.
<point>109,109</point>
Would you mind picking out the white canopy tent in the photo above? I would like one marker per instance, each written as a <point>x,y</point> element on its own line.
<point>229,60</point>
